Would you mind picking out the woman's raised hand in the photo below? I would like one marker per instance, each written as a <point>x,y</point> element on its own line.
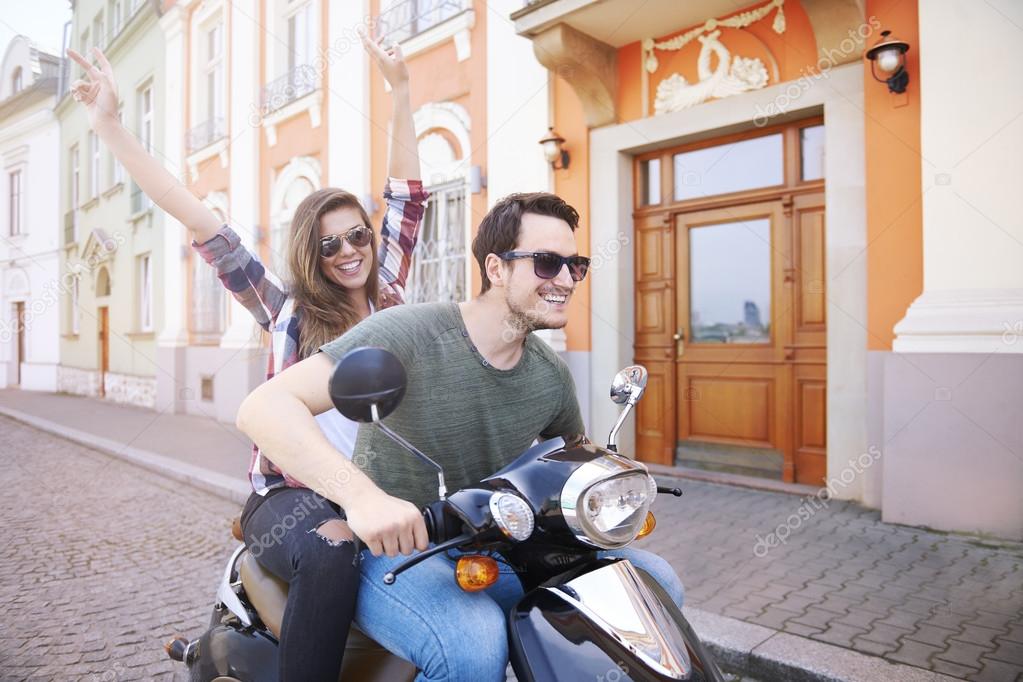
<point>390,60</point>
<point>97,90</point>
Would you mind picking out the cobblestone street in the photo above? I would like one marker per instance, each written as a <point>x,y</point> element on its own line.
<point>947,603</point>
<point>102,562</point>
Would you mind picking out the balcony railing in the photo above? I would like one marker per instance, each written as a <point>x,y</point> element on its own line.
<point>70,223</point>
<point>205,134</point>
<point>298,82</point>
<point>140,201</point>
<point>411,17</point>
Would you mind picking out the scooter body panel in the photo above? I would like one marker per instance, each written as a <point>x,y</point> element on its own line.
<point>556,634</point>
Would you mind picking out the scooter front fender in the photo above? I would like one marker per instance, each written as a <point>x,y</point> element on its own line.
<point>612,624</point>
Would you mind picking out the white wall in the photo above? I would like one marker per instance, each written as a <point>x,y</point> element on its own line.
<point>29,264</point>
<point>971,135</point>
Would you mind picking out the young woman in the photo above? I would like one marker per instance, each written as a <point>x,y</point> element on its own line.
<point>339,271</point>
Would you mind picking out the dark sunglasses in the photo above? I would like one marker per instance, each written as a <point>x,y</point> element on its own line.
<point>547,265</point>
<point>358,236</point>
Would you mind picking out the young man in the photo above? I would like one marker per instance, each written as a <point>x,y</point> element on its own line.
<point>481,389</point>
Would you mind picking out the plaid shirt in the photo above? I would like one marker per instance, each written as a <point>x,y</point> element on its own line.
<point>263,295</point>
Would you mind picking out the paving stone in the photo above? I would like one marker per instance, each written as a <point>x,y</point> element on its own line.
<point>997,671</point>
<point>929,634</point>
<point>1007,652</point>
<point>965,653</point>
<point>915,653</point>
<point>869,646</point>
<point>839,634</point>
<point>953,669</point>
<point>976,634</point>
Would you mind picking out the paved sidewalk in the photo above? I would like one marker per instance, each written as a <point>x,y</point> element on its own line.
<point>845,597</point>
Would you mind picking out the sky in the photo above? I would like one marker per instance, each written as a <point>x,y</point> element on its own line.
<point>41,20</point>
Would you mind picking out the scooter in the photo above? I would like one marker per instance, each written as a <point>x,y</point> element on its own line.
<point>547,515</point>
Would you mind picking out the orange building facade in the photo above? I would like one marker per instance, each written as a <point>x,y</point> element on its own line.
<point>770,226</point>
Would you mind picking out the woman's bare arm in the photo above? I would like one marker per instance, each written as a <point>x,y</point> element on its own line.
<point>98,93</point>
<point>403,161</point>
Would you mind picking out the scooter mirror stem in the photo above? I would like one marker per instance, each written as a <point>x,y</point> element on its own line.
<point>442,488</point>
<point>612,438</point>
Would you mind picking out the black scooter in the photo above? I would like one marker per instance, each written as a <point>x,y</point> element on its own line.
<point>546,514</point>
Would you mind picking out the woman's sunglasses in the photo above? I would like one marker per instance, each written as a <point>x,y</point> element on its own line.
<point>357,236</point>
<point>547,265</point>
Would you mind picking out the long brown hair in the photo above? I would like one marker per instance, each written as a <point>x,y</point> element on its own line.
<point>325,309</point>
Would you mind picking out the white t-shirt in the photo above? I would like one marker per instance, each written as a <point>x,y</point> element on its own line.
<point>339,430</point>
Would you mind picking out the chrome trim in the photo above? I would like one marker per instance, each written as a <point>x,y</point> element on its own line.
<point>619,602</point>
<point>227,596</point>
<point>601,468</point>
<point>495,512</point>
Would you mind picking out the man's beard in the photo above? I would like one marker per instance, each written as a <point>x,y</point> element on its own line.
<point>525,319</point>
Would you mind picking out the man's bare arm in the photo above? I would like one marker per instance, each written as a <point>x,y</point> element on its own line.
<point>279,417</point>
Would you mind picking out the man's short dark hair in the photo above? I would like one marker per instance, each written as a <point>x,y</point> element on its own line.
<point>499,229</point>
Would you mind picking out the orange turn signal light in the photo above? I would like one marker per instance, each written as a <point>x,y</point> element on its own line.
<point>474,573</point>
<point>648,526</point>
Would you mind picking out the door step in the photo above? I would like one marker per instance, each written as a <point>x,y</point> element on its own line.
<point>730,459</point>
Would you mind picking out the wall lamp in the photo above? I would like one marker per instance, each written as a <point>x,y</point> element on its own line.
<point>553,151</point>
<point>888,56</point>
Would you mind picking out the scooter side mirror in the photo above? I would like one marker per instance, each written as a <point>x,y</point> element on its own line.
<point>626,389</point>
<point>628,385</point>
<point>367,384</point>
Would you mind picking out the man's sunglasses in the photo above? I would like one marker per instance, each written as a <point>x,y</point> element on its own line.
<point>357,236</point>
<point>547,265</point>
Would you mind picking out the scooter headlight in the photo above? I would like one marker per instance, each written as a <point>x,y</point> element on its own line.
<point>614,510</point>
<point>512,515</point>
<point>606,500</point>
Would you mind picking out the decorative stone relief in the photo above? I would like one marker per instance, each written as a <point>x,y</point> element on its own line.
<point>730,77</point>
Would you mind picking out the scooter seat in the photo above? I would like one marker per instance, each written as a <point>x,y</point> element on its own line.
<point>365,660</point>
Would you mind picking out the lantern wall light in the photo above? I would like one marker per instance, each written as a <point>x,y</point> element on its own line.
<point>553,150</point>
<point>888,56</point>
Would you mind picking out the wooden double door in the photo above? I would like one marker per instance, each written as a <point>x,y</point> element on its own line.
<point>730,322</point>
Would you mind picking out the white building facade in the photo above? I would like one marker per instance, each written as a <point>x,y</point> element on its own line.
<point>29,218</point>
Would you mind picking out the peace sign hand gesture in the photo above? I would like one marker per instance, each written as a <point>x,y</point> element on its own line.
<point>389,60</point>
<point>97,90</point>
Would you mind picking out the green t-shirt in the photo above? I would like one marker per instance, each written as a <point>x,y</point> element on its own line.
<point>469,417</point>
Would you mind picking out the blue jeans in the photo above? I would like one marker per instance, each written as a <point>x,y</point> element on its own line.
<point>424,617</point>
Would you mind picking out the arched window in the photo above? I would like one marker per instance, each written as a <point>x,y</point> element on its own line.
<point>102,283</point>
<point>16,83</point>
<point>439,267</point>
<point>296,181</point>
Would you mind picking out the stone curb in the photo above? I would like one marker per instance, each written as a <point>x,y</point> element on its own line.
<point>754,650</point>
<point>218,484</point>
<point>767,654</point>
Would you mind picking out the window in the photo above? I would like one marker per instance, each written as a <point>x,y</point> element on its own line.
<point>93,165</point>
<point>209,299</point>
<point>98,32</point>
<point>74,178</point>
<point>811,152</point>
<point>650,182</point>
<point>16,81</point>
<point>438,265</point>
<point>402,19</point>
<point>73,313</point>
<point>83,50</point>
<point>145,293</point>
<point>733,167</point>
<point>215,73</point>
<point>145,113</point>
<point>301,37</point>
<point>730,282</point>
<point>14,202</point>
<point>115,12</point>
<point>116,169</point>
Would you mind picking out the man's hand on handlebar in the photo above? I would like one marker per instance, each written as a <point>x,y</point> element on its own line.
<point>386,524</point>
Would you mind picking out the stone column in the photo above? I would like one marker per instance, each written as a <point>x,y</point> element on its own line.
<point>172,339</point>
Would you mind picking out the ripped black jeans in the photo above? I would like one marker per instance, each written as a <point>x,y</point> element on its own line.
<point>281,532</point>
